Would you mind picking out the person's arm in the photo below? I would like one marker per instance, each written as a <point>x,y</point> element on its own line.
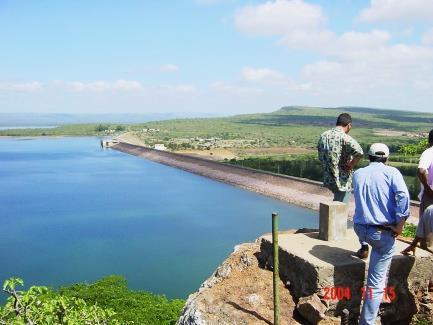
<point>424,163</point>
<point>398,228</point>
<point>402,202</point>
<point>422,176</point>
<point>352,164</point>
<point>356,152</point>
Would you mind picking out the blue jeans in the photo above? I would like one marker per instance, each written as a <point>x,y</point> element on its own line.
<point>383,244</point>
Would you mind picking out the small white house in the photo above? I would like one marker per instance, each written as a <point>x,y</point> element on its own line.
<point>159,146</point>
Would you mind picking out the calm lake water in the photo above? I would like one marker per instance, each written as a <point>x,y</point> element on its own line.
<point>71,211</point>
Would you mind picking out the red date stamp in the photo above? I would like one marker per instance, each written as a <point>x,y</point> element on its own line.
<point>345,293</point>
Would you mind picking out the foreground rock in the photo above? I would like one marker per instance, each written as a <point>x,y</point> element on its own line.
<point>239,292</point>
<point>311,308</point>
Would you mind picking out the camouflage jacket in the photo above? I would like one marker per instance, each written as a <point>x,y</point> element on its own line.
<point>335,149</point>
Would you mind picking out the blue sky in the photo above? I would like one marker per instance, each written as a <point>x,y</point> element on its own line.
<point>214,56</point>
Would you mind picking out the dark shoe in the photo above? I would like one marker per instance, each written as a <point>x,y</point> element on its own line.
<point>362,253</point>
<point>408,250</point>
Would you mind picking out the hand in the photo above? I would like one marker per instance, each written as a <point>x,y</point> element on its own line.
<point>398,228</point>
<point>429,191</point>
<point>349,166</point>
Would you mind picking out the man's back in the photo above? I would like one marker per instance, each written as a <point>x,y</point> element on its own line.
<point>336,149</point>
<point>380,194</point>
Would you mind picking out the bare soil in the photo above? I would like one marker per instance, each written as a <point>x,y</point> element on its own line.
<point>393,133</point>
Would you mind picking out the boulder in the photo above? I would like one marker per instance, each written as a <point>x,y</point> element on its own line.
<point>311,308</point>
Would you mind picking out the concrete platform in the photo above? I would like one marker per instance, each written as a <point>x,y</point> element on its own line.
<point>310,265</point>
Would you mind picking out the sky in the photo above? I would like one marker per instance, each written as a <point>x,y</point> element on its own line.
<point>214,56</point>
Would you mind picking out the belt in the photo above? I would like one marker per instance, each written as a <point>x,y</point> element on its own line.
<point>381,227</point>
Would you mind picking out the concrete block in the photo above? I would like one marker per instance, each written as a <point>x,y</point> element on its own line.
<point>333,220</point>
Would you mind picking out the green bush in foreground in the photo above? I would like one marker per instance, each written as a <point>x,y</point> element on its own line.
<point>107,301</point>
<point>138,307</point>
<point>39,305</point>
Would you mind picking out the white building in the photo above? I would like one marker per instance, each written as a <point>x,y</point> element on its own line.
<point>159,146</point>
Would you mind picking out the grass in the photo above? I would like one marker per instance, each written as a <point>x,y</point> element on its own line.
<point>409,230</point>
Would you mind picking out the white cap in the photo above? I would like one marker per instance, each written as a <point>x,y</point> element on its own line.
<point>379,150</point>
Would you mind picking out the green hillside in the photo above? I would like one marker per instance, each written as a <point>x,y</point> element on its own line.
<point>363,117</point>
<point>295,126</point>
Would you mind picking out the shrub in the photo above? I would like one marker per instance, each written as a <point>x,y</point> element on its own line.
<point>409,230</point>
<point>39,305</point>
<point>107,301</point>
<point>136,307</point>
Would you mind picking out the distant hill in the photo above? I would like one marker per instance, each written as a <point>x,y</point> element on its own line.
<point>34,119</point>
<point>326,116</point>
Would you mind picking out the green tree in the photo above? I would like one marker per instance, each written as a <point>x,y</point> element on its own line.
<point>102,127</point>
<point>414,149</point>
<point>135,307</point>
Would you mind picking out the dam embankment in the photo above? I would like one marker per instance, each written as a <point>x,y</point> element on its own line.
<point>299,191</point>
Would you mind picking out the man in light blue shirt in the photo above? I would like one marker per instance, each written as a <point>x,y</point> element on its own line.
<point>381,209</point>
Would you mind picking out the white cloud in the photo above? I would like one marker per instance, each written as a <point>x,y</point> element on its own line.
<point>397,10</point>
<point>279,17</point>
<point>169,68</point>
<point>21,87</point>
<point>349,44</point>
<point>394,69</point>
<point>98,86</point>
<point>126,85</point>
<point>427,37</point>
<point>301,26</point>
<point>232,88</point>
<point>265,76</point>
<point>351,62</point>
<point>172,89</point>
<point>187,89</point>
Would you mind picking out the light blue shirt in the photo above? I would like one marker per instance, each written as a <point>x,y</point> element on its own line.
<point>381,195</point>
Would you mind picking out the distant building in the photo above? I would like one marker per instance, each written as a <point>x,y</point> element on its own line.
<point>159,146</point>
<point>109,143</point>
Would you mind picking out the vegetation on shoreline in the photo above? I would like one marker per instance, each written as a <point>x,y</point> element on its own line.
<point>308,166</point>
<point>107,301</point>
<point>288,126</point>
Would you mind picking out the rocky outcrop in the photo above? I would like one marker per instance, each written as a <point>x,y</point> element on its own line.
<point>238,292</point>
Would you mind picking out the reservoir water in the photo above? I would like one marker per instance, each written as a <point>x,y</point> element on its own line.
<point>71,212</point>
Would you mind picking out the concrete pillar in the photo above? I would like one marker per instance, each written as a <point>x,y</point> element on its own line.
<point>333,220</point>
